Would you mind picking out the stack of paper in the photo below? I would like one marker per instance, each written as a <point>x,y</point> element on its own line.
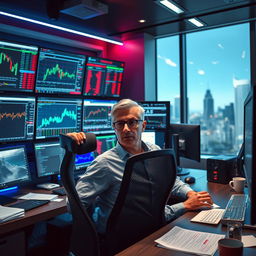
<point>9,213</point>
<point>38,196</point>
<point>190,241</point>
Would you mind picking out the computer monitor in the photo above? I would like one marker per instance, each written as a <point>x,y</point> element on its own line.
<point>149,136</point>
<point>97,116</point>
<point>249,161</point>
<point>60,72</point>
<point>17,67</point>
<point>48,157</point>
<point>14,167</point>
<point>57,115</point>
<point>103,77</point>
<point>157,114</point>
<point>82,161</point>
<point>17,118</point>
<point>185,141</point>
<point>104,143</point>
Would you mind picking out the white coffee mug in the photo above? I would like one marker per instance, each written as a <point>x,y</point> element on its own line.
<point>237,184</point>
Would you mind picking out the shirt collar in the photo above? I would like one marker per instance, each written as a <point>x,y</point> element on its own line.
<point>124,154</point>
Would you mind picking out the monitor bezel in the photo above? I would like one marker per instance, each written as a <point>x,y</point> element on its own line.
<point>251,99</point>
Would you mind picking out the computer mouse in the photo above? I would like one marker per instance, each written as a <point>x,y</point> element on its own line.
<point>190,180</point>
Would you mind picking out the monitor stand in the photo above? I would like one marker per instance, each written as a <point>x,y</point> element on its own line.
<point>175,147</point>
<point>182,171</point>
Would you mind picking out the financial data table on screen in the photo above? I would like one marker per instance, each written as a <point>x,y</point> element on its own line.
<point>17,66</point>
<point>103,77</point>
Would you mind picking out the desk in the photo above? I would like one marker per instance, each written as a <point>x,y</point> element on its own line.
<point>31,217</point>
<point>220,194</point>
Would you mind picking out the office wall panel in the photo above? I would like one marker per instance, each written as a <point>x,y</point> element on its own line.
<point>132,52</point>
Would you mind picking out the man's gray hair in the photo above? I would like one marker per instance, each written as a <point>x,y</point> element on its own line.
<point>127,104</point>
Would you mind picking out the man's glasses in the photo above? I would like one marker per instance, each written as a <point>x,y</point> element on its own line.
<point>132,124</point>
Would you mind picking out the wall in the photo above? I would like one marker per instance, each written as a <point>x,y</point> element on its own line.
<point>132,52</point>
<point>138,52</point>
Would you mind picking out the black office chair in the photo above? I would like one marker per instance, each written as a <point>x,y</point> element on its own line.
<point>84,239</point>
<point>139,209</point>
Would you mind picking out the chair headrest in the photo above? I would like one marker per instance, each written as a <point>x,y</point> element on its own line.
<point>70,144</point>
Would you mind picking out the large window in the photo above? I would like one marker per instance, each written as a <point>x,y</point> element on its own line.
<point>168,74</point>
<point>218,73</point>
<point>218,80</point>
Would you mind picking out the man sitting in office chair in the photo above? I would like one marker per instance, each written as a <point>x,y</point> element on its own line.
<point>99,186</point>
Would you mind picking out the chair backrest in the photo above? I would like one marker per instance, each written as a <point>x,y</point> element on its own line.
<point>139,209</point>
<point>84,239</point>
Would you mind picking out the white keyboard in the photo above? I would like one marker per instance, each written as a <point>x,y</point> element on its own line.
<point>212,216</point>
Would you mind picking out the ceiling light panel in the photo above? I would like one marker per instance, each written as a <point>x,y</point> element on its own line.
<point>196,22</point>
<point>170,5</point>
<point>61,28</point>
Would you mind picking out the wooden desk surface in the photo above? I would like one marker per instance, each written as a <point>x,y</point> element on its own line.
<point>220,194</point>
<point>31,217</point>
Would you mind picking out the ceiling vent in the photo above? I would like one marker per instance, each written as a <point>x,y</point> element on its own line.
<point>84,9</point>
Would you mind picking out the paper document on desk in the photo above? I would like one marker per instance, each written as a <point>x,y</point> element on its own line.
<point>249,241</point>
<point>10,213</point>
<point>185,240</point>
<point>38,196</point>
